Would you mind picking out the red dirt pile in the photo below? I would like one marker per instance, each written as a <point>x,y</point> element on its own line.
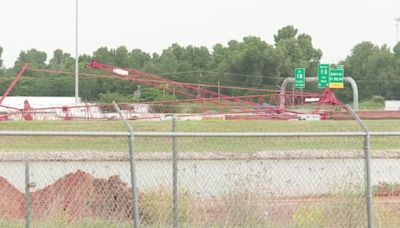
<point>76,195</point>
<point>11,201</point>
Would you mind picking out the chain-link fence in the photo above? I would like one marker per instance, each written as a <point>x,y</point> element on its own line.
<point>199,179</point>
<point>59,180</point>
<point>272,180</point>
<point>385,176</point>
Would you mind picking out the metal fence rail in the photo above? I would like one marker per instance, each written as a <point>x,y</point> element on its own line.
<point>199,179</point>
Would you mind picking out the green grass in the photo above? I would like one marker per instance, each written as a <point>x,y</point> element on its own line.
<point>203,126</point>
<point>370,105</point>
<point>224,144</point>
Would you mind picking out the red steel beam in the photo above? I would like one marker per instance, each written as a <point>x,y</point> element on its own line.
<point>288,93</point>
<point>11,86</point>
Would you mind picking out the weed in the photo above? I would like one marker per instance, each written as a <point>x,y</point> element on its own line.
<point>311,216</point>
<point>156,209</point>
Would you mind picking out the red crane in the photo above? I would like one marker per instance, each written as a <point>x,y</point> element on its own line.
<point>11,86</point>
<point>186,89</point>
<point>26,115</point>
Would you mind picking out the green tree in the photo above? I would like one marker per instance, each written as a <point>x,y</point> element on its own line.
<point>1,61</point>
<point>251,62</point>
<point>61,61</point>
<point>285,33</point>
<point>295,51</point>
<point>312,55</point>
<point>83,60</point>
<point>36,59</point>
<point>375,70</point>
<point>103,54</point>
<point>108,98</point>
<point>1,52</point>
<point>171,60</point>
<point>139,59</point>
<point>246,61</point>
<point>121,57</point>
<point>182,59</point>
<point>396,51</point>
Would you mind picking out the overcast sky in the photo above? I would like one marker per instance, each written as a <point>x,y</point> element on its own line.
<point>153,25</point>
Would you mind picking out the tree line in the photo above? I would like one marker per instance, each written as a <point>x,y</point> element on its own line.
<point>250,62</point>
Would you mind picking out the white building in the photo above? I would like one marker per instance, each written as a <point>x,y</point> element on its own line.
<point>392,105</point>
<point>51,108</point>
<point>37,102</point>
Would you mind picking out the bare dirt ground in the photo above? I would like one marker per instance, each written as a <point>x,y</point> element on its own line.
<point>79,195</point>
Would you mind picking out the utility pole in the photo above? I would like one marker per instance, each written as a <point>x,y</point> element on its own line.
<point>397,20</point>
<point>76,55</point>
<point>198,86</point>
<point>219,92</point>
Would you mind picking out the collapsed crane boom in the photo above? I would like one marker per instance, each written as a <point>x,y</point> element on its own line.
<point>11,86</point>
<point>138,75</point>
<point>185,89</point>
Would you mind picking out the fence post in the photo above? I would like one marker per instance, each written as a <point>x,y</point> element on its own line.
<point>136,218</point>
<point>367,158</point>
<point>27,196</point>
<point>367,155</point>
<point>174,177</point>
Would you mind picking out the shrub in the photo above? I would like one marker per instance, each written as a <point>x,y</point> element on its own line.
<point>311,216</point>
<point>386,189</point>
<point>348,208</point>
<point>243,209</point>
<point>345,207</point>
<point>378,99</point>
<point>108,98</point>
<point>156,209</point>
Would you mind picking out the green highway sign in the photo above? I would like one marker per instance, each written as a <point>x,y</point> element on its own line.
<point>300,78</point>
<point>336,79</point>
<point>323,75</point>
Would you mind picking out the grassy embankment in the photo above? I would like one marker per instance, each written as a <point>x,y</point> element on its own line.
<point>148,144</point>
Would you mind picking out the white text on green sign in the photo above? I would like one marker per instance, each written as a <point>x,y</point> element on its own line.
<point>336,79</point>
<point>300,78</point>
<point>323,75</point>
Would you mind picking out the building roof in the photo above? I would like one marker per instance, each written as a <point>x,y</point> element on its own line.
<point>37,102</point>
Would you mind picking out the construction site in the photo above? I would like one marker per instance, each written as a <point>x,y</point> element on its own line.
<point>196,102</point>
<point>267,158</point>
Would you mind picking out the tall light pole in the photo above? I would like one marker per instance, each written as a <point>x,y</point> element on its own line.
<point>76,55</point>
<point>397,20</point>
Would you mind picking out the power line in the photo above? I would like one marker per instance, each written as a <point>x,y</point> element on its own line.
<point>379,82</point>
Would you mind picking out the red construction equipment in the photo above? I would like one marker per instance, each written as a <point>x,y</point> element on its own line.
<point>26,112</point>
<point>173,87</point>
<point>186,89</point>
<point>261,105</point>
<point>27,116</point>
<point>11,86</point>
<point>328,98</point>
<point>244,103</point>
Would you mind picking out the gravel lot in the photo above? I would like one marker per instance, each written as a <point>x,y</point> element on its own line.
<point>121,156</point>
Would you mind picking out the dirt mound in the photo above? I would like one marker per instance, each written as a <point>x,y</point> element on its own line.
<point>11,201</point>
<point>111,199</point>
<point>67,195</point>
<point>76,195</point>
